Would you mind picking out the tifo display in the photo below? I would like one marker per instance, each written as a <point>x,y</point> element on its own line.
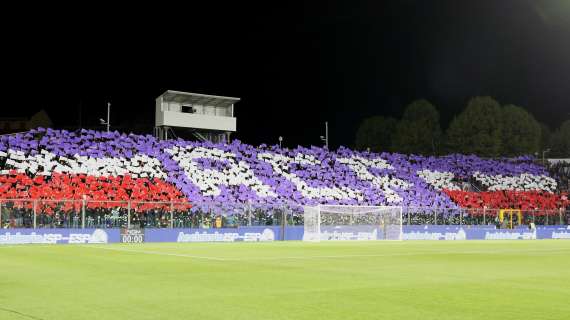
<point>96,166</point>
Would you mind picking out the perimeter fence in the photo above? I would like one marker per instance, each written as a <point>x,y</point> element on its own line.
<point>67,213</point>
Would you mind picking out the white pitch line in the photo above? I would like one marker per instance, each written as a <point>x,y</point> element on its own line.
<point>159,253</point>
<point>28,245</point>
<point>386,255</point>
<point>259,258</point>
<point>417,253</point>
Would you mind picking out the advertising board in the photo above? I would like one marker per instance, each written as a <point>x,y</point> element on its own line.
<point>270,233</point>
<point>58,236</point>
<point>246,234</point>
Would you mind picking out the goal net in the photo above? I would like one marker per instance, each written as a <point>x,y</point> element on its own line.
<point>336,222</point>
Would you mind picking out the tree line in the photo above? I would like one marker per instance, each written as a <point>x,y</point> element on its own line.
<point>484,128</point>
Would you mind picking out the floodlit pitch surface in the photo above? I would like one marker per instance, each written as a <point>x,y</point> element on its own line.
<point>288,280</point>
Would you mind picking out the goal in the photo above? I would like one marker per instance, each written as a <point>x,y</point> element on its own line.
<point>336,222</point>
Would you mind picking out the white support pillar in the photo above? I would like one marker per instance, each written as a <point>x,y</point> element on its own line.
<point>249,212</point>
<point>283,223</point>
<point>171,214</point>
<point>83,203</point>
<point>35,205</point>
<point>129,214</point>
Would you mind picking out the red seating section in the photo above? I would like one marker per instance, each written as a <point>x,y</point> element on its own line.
<point>524,200</point>
<point>105,192</point>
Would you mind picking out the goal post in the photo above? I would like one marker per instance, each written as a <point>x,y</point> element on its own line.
<point>341,222</point>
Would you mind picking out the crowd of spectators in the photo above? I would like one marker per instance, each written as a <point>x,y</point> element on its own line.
<point>561,171</point>
<point>66,192</point>
<point>505,199</point>
<point>157,179</point>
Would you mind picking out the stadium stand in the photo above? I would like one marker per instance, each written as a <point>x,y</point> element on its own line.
<point>561,171</point>
<point>51,164</point>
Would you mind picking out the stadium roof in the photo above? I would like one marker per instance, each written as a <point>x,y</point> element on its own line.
<point>199,99</point>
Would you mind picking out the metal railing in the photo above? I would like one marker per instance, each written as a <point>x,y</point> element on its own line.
<point>84,213</point>
<point>484,216</point>
<point>67,213</point>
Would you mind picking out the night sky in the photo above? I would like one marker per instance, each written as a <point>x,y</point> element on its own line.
<point>294,66</point>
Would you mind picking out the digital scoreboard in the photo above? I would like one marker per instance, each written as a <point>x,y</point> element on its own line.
<point>132,235</point>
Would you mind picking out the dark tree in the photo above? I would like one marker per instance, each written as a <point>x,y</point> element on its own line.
<point>560,141</point>
<point>477,130</point>
<point>520,132</point>
<point>375,133</point>
<point>545,134</point>
<point>418,131</point>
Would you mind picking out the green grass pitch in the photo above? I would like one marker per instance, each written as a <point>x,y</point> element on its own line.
<point>288,280</point>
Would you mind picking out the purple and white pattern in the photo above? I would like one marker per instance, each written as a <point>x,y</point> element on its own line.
<point>231,175</point>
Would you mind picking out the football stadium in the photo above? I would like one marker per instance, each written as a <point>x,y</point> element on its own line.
<point>131,226</point>
<point>383,160</point>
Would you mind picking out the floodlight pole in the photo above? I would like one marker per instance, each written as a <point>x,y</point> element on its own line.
<point>280,140</point>
<point>543,152</point>
<point>108,115</point>
<point>325,138</point>
<point>327,134</point>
